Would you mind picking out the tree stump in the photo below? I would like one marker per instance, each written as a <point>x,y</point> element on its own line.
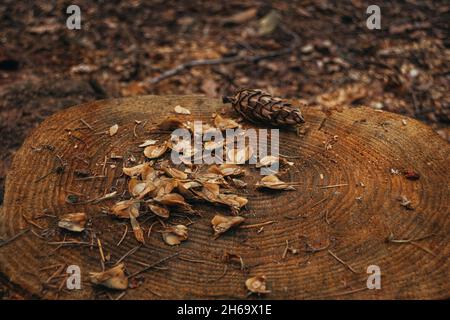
<point>344,216</point>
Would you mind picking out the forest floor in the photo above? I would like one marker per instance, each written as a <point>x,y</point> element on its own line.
<point>323,53</point>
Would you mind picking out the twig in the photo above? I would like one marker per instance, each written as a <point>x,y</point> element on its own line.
<point>342,261</point>
<point>123,236</point>
<point>154,264</point>
<point>256,225</point>
<point>193,260</point>
<point>209,62</point>
<point>319,202</point>
<point>130,252</point>
<point>87,124</point>
<point>90,178</point>
<point>225,269</point>
<point>285,250</point>
<point>100,249</point>
<point>120,296</point>
<point>14,237</point>
<point>334,186</point>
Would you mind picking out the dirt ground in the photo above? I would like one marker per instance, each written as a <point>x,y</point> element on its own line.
<point>123,45</point>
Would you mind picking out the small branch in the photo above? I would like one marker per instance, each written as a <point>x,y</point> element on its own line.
<point>256,225</point>
<point>14,237</point>
<point>334,186</point>
<point>154,264</point>
<point>342,261</point>
<point>210,62</point>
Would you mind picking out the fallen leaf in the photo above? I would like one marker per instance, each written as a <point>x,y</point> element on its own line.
<point>159,210</point>
<point>73,221</point>
<point>147,143</point>
<point>123,209</point>
<point>153,152</point>
<point>113,130</point>
<point>269,23</point>
<point>241,17</point>
<point>221,223</point>
<point>272,182</point>
<point>175,235</point>
<point>113,278</point>
<point>180,110</point>
<point>257,284</point>
<point>224,123</point>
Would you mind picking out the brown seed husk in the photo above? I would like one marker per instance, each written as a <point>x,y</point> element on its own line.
<point>147,143</point>
<point>181,110</point>
<point>224,123</point>
<point>123,209</point>
<point>221,223</point>
<point>175,235</point>
<point>256,284</point>
<point>267,161</point>
<point>272,182</point>
<point>137,230</point>
<point>113,278</point>
<point>159,210</point>
<point>240,156</point>
<point>140,188</point>
<point>227,170</point>
<point>113,130</point>
<point>136,170</point>
<point>154,152</point>
<point>175,173</point>
<point>73,221</point>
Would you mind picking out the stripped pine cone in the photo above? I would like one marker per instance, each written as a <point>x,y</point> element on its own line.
<point>259,106</point>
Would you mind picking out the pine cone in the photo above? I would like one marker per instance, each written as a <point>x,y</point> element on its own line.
<point>259,106</point>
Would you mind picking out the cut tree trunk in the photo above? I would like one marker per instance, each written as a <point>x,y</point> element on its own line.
<point>344,216</point>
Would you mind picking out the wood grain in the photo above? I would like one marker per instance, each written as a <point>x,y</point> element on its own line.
<point>352,221</point>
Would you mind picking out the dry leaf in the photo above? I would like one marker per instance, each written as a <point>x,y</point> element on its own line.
<point>221,223</point>
<point>140,188</point>
<point>153,152</point>
<point>267,161</point>
<point>224,123</point>
<point>174,199</point>
<point>73,221</point>
<point>180,110</point>
<point>240,156</point>
<point>137,230</point>
<point>113,130</point>
<point>241,16</point>
<point>147,143</point>
<point>272,182</point>
<point>175,173</point>
<point>227,170</point>
<point>164,186</point>
<point>256,284</point>
<point>233,201</point>
<point>239,183</point>
<point>123,209</point>
<point>113,278</point>
<point>175,235</point>
<point>212,145</point>
<point>269,23</point>
<point>136,170</point>
<point>159,210</point>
